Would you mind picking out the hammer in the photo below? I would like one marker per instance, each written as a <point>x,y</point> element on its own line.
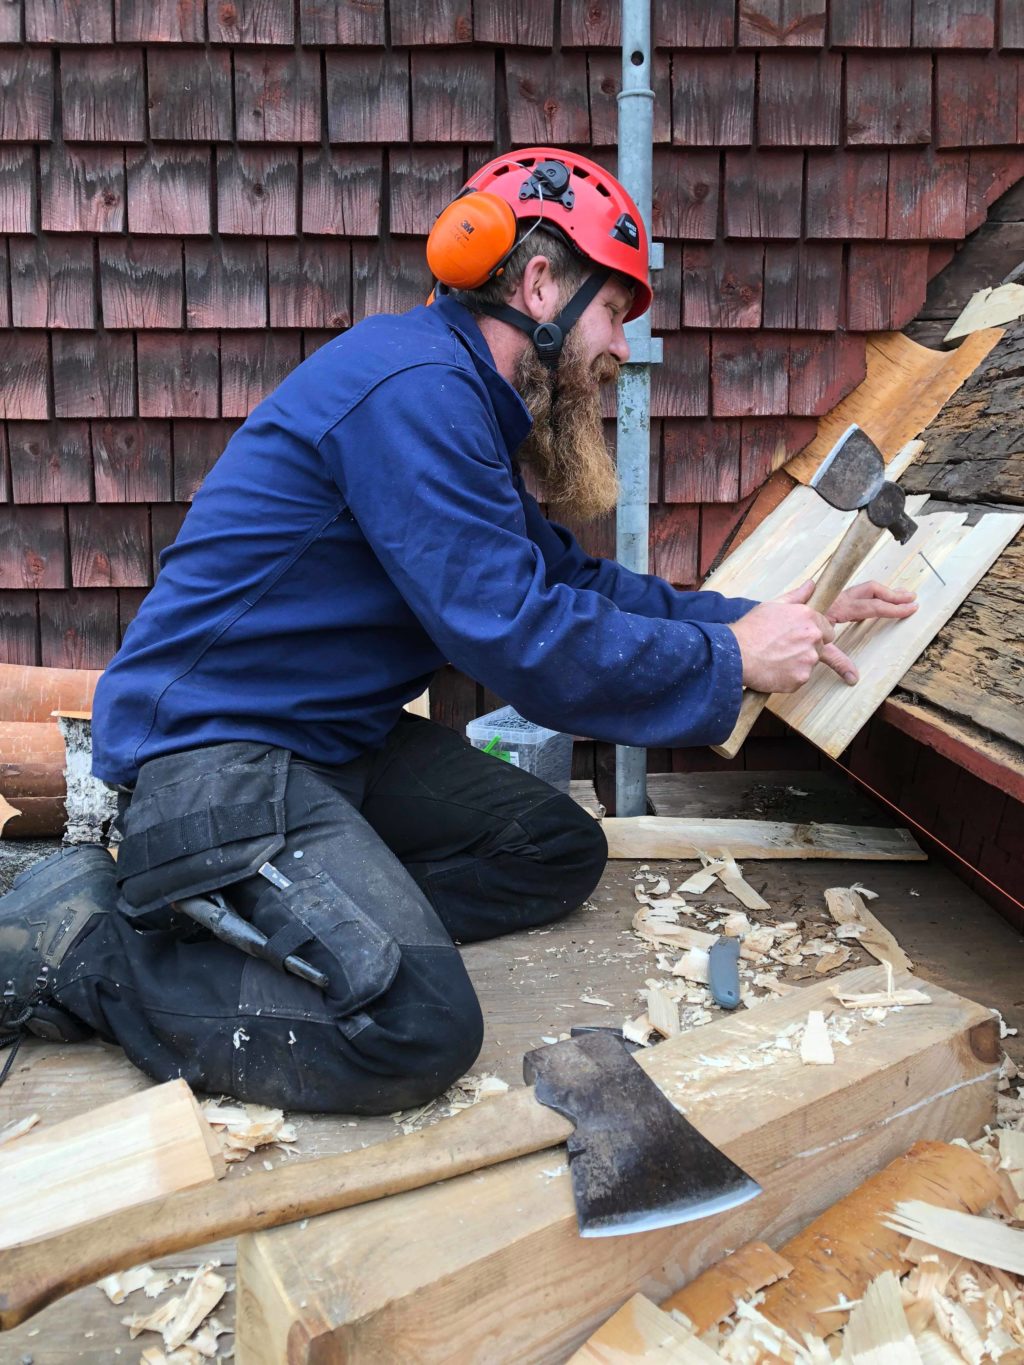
<point>852,476</point>
<point>635,1163</point>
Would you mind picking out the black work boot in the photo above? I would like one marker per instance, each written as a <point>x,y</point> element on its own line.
<point>41,918</point>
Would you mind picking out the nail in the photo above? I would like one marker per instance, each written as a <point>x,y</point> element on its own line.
<point>850,678</point>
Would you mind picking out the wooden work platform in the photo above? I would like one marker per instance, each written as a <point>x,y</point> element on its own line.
<point>531,985</point>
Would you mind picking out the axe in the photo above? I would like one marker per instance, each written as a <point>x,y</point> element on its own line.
<point>851,477</point>
<point>635,1163</point>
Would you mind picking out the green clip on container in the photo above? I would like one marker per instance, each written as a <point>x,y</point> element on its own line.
<point>506,735</point>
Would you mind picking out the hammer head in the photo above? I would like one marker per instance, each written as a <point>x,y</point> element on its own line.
<point>636,1164</point>
<point>852,476</point>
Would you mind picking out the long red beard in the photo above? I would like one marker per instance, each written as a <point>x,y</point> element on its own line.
<point>566,446</point>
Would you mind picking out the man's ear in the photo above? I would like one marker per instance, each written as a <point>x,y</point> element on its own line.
<point>539,290</point>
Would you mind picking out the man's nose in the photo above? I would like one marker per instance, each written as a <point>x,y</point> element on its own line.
<point>620,347</point>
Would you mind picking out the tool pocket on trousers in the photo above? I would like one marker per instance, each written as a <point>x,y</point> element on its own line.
<point>198,822</point>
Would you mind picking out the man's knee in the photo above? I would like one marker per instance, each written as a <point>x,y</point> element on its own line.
<point>572,846</point>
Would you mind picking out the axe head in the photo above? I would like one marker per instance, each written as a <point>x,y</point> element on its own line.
<point>852,475</point>
<point>636,1164</point>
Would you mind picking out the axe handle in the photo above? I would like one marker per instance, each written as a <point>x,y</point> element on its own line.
<point>849,553</point>
<point>36,1273</point>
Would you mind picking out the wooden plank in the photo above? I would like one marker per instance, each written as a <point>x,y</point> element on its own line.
<point>888,99</point>
<point>355,1283</point>
<point>132,461</point>
<point>640,1333</point>
<point>387,278</point>
<point>52,282</point>
<point>10,22</point>
<point>251,21</point>
<point>50,462</point>
<point>988,308</point>
<point>93,374</point>
<point>994,763</point>
<point>453,101</point>
<point>189,94</point>
<point>277,96</point>
<point>367,97</point>
<point>341,192</point>
<point>883,650</point>
<point>904,387</point>
<point>110,546</point>
<point>257,192</point>
<point>169,190</point>
<point>82,190</point>
<point>713,99</point>
<point>141,283</point>
<point>179,374</point>
<point>763,194</point>
<point>781,23</point>
<point>798,98</point>
<point>310,284</point>
<point>226,284</point>
<point>666,836</point>
<point>25,362</point>
<point>252,365</point>
<point>62,1175</point>
<point>26,94</point>
<point>547,98</point>
<point>846,194</point>
<point>103,96</point>
<point>685,202</point>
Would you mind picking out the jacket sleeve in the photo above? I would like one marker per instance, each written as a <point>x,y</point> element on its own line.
<point>422,466</point>
<point>645,594</point>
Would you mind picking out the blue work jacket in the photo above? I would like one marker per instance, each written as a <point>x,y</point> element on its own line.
<point>367,524</point>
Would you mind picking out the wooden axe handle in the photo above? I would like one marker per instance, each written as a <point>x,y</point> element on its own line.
<point>36,1273</point>
<point>849,553</point>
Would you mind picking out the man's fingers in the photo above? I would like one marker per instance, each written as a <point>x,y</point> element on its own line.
<point>869,609</point>
<point>884,593</point>
<point>840,663</point>
<point>828,631</point>
<point>799,595</point>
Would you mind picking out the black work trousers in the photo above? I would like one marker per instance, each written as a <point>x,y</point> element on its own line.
<point>433,841</point>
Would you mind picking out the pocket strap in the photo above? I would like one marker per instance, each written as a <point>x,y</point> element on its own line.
<point>193,833</point>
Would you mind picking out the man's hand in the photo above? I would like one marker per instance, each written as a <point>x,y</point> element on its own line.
<point>781,642</point>
<point>865,601</point>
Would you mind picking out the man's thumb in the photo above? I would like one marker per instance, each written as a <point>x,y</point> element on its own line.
<point>801,594</point>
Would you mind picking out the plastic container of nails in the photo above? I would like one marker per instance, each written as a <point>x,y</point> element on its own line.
<point>508,737</point>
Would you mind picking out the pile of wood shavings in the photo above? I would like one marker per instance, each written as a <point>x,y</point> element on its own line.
<point>243,1128</point>
<point>462,1095</point>
<point>190,1335</point>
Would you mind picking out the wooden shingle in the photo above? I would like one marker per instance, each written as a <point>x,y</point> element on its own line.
<point>886,285</point>
<point>179,374</point>
<point>132,461</point>
<point>422,182</point>
<point>25,365</point>
<point>763,194</point>
<point>1011,24</point>
<point>50,462</point>
<point>197,448</point>
<point>847,194</point>
<point>160,21</point>
<point>110,546</point>
<point>78,628</point>
<point>977,100</point>
<point>226,283</point>
<point>799,96</point>
<point>694,23</point>
<point>823,369</point>
<point>667,307</point>
<point>529,23</point>
<point>700,460</point>
<point>10,21</point>
<point>310,284</point>
<point>343,22</point>
<point>713,99</point>
<point>547,98</point>
<point>803,285</point>
<point>169,190</point>
<point>679,386</point>
<point>103,95</point>
<point>19,627</point>
<point>871,23</point>
<point>722,285</point>
<point>604,72</point>
<point>5,311</point>
<point>68,21</point>
<point>189,94</point>
<point>277,96</point>
<point>927,195</point>
<point>93,374</point>
<point>718,523</point>
<point>888,99</point>
<point>26,94</point>
<point>257,190</point>
<point>367,96</point>
<point>750,374</point>
<point>251,21</point>
<point>388,278</point>
<point>766,444</point>
<point>17,188</point>
<point>341,191</point>
<point>33,547</point>
<point>591,23</point>
<point>252,365</point>
<point>685,194</point>
<point>83,189</point>
<point>165,523</point>
<point>141,283</point>
<point>418,22</point>
<point>673,544</point>
<point>52,282</point>
<point>954,23</point>
<point>453,96</point>
<point>129,600</point>
<point>782,23</point>
<point>989,175</point>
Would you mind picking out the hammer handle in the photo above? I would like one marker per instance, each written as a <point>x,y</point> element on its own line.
<point>851,550</point>
<point>36,1273</point>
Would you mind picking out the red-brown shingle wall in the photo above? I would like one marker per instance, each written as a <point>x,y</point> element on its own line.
<point>195,194</point>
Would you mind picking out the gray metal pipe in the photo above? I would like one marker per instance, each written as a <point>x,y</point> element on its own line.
<point>635,170</point>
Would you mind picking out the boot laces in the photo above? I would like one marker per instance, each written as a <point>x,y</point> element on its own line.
<point>13,1017</point>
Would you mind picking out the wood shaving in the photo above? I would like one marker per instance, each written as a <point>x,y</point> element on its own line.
<point>885,999</point>
<point>470,1090</point>
<point>243,1128</point>
<point>17,1127</point>
<point>181,1315</point>
<point>663,1012</point>
<point>815,1045</point>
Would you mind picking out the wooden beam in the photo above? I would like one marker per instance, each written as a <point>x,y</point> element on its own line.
<point>359,1285</point>
<point>994,763</point>
<point>661,836</point>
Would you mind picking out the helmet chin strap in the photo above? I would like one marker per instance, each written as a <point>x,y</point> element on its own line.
<point>549,337</point>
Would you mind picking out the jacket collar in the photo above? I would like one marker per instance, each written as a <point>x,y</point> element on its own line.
<point>513,416</point>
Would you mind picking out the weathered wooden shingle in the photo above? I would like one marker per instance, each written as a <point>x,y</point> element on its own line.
<point>803,285</point>
<point>169,190</point>
<point>1011,24</point>
<point>141,283</point>
<point>679,386</point>
<point>954,23</point>
<point>685,194</point>
<point>19,627</point>
<point>93,374</point>
<point>694,23</point>
<point>723,284</point>
<point>591,23</point>
<point>823,369</point>
<point>782,23</point>
<point>847,194</point>
<point>311,284</point>
<point>418,22</point>
<point>713,99</point>
<point>165,523</point>
<point>453,96</point>
<point>252,364</point>
<point>367,96</point>
<point>132,461</point>
<point>189,94</point>
<point>763,194</point>
<point>69,21</point>
<point>977,100</point>
<point>700,460</point>
<point>766,444</point>
<point>927,195</point>
<point>673,544</point>
<point>52,282</point>
<point>667,307</point>
<point>5,311</point>
<point>547,98</point>
<point>110,546</point>
<point>605,76</point>
<point>50,462</point>
<point>888,99</point>
<point>83,189</point>
<point>341,191</point>
<point>422,182</point>
<point>257,192</point>
<point>33,547</point>
<point>179,374</point>
<point>749,374</point>
<point>103,95</point>
<point>197,448</point>
<point>251,21</point>
<point>78,628</point>
<point>226,283</point>
<point>886,285</point>
<point>798,103</point>
<point>26,94</point>
<point>10,21</point>
<point>17,188</point>
<point>277,96</point>
<point>528,23</point>
<point>871,23</point>
<point>388,278</point>
<point>343,22</point>
<point>25,365</point>
<point>160,21</point>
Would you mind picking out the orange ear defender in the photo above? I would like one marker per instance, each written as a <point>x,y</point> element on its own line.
<point>471,240</point>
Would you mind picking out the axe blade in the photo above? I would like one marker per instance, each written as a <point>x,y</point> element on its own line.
<point>852,472</point>
<point>636,1163</point>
